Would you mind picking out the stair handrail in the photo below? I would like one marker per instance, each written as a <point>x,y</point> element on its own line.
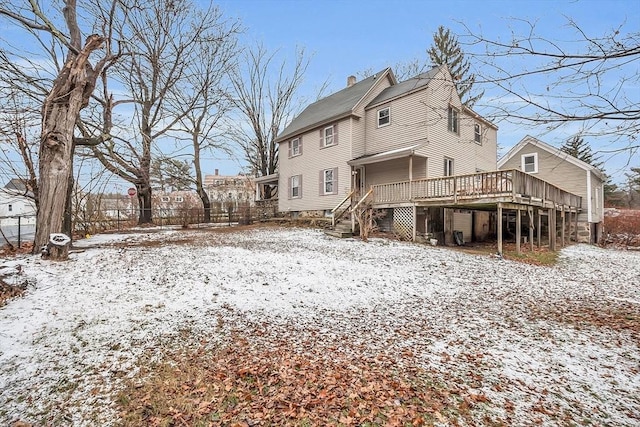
<point>338,206</point>
<point>363,199</point>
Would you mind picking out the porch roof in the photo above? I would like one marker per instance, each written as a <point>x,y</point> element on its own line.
<point>386,155</point>
<point>267,179</point>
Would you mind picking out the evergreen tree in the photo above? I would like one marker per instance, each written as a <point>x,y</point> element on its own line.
<point>581,150</point>
<point>446,51</point>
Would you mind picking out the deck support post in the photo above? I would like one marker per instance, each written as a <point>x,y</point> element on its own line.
<point>499,228</point>
<point>553,229</point>
<point>539,228</point>
<point>564,226</point>
<point>531,227</point>
<point>518,231</point>
<point>575,226</point>
<point>415,223</point>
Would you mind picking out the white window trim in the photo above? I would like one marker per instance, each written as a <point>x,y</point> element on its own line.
<point>478,134</point>
<point>326,138</point>
<point>448,161</point>
<point>165,199</point>
<point>292,187</point>
<point>179,199</point>
<point>325,182</point>
<point>453,110</point>
<point>295,149</point>
<point>535,162</point>
<point>388,117</point>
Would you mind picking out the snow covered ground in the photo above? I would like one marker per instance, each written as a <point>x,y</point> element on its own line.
<point>551,345</point>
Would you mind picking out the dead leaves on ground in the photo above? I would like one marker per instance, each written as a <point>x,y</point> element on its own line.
<point>247,385</point>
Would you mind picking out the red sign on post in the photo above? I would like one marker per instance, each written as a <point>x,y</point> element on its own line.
<point>131,192</point>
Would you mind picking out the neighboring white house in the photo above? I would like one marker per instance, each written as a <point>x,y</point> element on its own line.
<point>17,209</point>
<point>546,162</point>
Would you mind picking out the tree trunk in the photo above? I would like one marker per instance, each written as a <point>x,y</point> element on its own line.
<point>70,94</point>
<point>206,204</point>
<point>144,204</point>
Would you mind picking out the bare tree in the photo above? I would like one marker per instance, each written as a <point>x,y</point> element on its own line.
<point>68,95</point>
<point>206,94</point>
<point>265,95</point>
<point>161,38</point>
<point>540,81</point>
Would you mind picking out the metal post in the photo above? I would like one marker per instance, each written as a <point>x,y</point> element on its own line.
<point>19,229</point>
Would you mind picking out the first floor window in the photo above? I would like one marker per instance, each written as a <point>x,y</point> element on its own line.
<point>530,163</point>
<point>453,120</point>
<point>296,186</point>
<point>448,166</point>
<point>383,117</point>
<point>328,179</point>
<point>477,133</point>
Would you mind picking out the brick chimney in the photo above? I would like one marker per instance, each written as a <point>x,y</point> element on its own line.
<point>351,80</point>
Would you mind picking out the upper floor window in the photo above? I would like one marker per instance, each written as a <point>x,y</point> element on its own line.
<point>529,163</point>
<point>165,199</point>
<point>477,133</point>
<point>10,208</point>
<point>384,117</point>
<point>329,181</point>
<point>448,166</point>
<point>327,136</point>
<point>295,187</point>
<point>295,147</point>
<point>179,199</point>
<point>453,120</point>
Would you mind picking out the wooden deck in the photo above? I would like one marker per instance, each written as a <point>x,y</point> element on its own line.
<point>483,190</point>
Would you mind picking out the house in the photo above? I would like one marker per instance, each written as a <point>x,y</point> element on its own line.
<point>237,190</point>
<point>17,210</point>
<point>16,200</point>
<point>380,131</point>
<point>540,159</point>
<point>411,150</point>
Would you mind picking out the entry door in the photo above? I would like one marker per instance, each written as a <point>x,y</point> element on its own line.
<point>358,185</point>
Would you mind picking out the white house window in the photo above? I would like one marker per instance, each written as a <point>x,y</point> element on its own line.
<point>383,117</point>
<point>10,208</point>
<point>448,166</point>
<point>328,136</point>
<point>328,179</point>
<point>166,199</point>
<point>453,121</point>
<point>530,163</point>
<point>179,199</point>
<point>477,131</point>
<point>295,147</point>
<point>296,186</point>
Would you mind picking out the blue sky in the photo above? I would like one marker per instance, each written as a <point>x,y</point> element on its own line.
<point>347,37</point>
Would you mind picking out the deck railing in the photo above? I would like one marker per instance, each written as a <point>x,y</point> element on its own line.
<point>473,186</point>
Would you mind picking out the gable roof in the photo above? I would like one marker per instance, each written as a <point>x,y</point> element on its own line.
<point>337,105</point>
<point>406,86</point>
<point>552,150</point>
<point>16,184</point>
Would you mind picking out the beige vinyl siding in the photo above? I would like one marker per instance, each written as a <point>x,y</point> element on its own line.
<point>359,134</point>
<point>556,171</point>
<point>394,171</point>
<point>421,118</point>
<point>313,160</point>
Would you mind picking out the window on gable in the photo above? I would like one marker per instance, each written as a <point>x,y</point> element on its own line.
<point>453,120</point>
<point>179,199</point>
<point>10,208</point>
<point>295,187</point>
<point>448,166</point>
<point>329,181</point>
<point>529,163</point>
<point>477,131</point>
<point>383,117</point>
<point>166,199</point>
<point>295,147</point>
